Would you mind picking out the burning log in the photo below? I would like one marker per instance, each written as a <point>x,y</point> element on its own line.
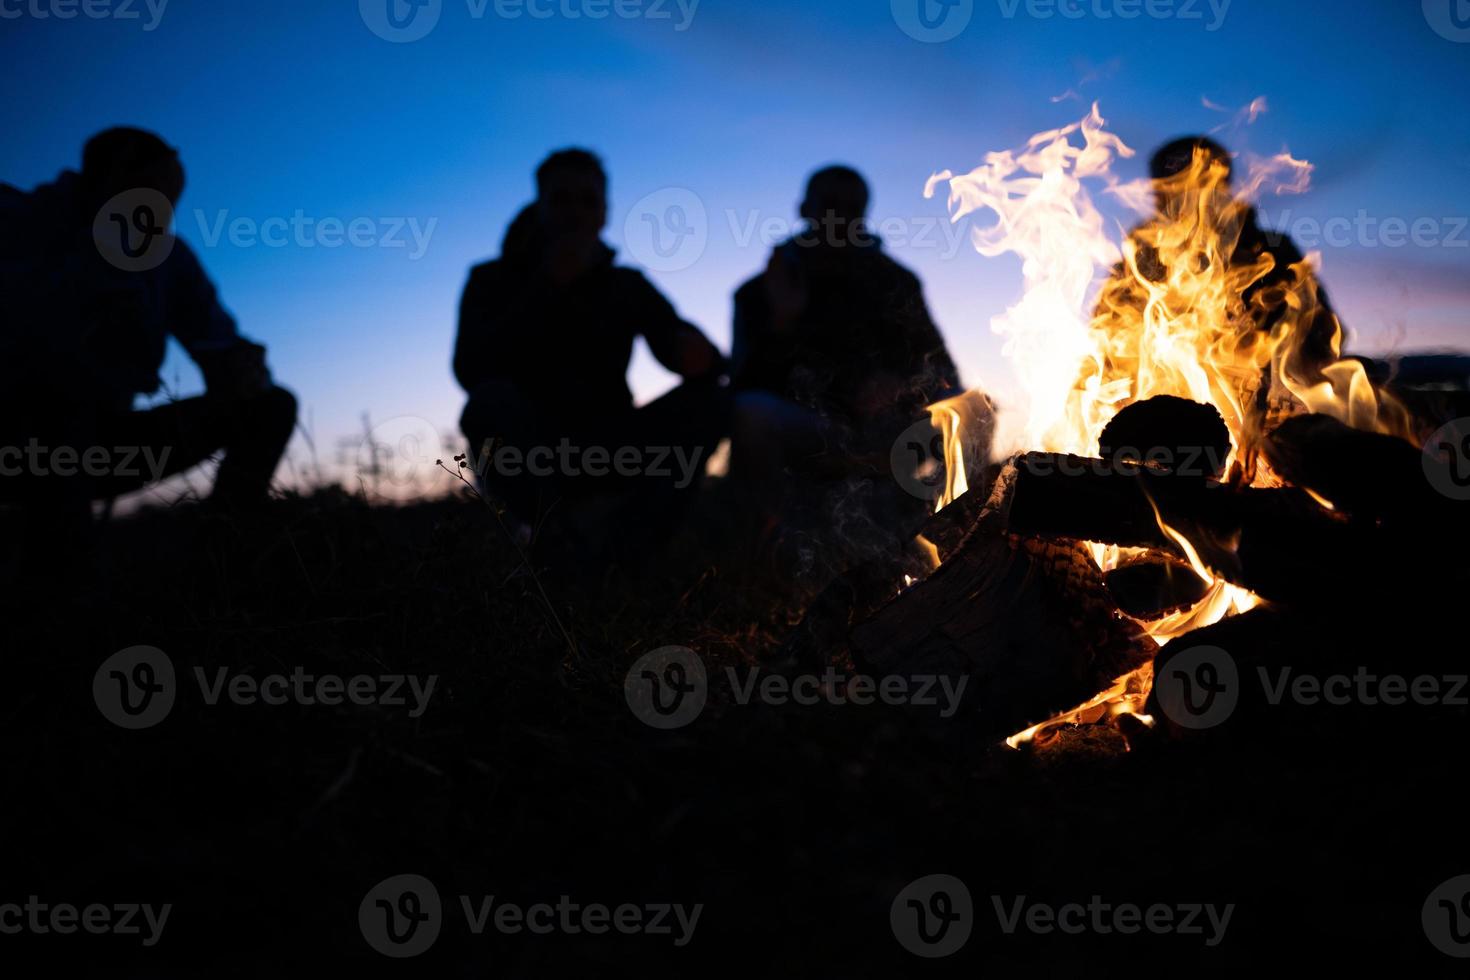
<point>1363,474</point>
<point>1029,622</point>
<point>1152,586</point>
<point>1174,435</point>
<point>947,528</point>
<point>1276,543</point>
<point>1056,495</point>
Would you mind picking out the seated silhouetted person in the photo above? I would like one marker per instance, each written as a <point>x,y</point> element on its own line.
<point>546,334</point>
<point>835,353</point>
<point>1192,183</point>
<point>95,284</point>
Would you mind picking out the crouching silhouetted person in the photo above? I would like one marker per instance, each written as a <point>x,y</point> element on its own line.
<point>546,333</point>
<point>835,353</point>
<point>94,284</point>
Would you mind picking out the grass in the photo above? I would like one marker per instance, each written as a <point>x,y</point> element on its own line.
<point>528,778</point>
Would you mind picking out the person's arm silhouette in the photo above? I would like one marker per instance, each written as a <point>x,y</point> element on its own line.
<point>677,344</point>
<point>234,367</point>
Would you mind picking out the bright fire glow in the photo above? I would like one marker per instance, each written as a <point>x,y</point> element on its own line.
<point>1107,318</point>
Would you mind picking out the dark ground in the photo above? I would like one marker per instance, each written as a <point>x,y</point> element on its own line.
<point>528,778</point>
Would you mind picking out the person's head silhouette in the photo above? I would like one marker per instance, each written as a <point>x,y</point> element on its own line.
<point>124,158</point>
<point>571,196</point>
<point>1189,165</point>
<point>836,203</point>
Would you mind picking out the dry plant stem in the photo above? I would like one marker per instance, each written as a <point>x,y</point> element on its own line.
<point>520,554</point>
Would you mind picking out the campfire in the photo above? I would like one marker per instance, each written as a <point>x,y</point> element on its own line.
<point>1179,386</point>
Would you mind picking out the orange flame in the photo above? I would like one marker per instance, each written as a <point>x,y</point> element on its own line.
<point>1188,307</point>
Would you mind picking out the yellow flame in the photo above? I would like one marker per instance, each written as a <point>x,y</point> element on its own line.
<point>1181,310</point>
<point>946,417</point>
<point>1125,695</point>
<point>1176,307</point>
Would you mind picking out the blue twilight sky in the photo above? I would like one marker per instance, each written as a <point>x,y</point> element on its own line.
<point>284,106</point>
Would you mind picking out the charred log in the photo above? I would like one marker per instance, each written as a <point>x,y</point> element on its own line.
<point>1280,544</point>
<point>1154,585</point>
<point>1368,476</point>
<point>1174,435</point>
<point>1030,623</point>
<point>947,528</point>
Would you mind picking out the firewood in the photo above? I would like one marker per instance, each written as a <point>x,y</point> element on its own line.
<point>1363,474</point>
<point>947,528</point>
<point>1059,495</point>
<point>1153,585</point>
<point>1278,543</point>
<point>1175,434</point>
<point>1030,623</point>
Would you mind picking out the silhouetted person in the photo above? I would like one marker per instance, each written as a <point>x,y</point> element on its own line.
<point>546,333</point>
<point>95,284</point>
<point>835,353</point>
<point>1192,179</point>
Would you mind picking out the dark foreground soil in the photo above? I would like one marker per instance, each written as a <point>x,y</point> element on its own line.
<point>528,779</point>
